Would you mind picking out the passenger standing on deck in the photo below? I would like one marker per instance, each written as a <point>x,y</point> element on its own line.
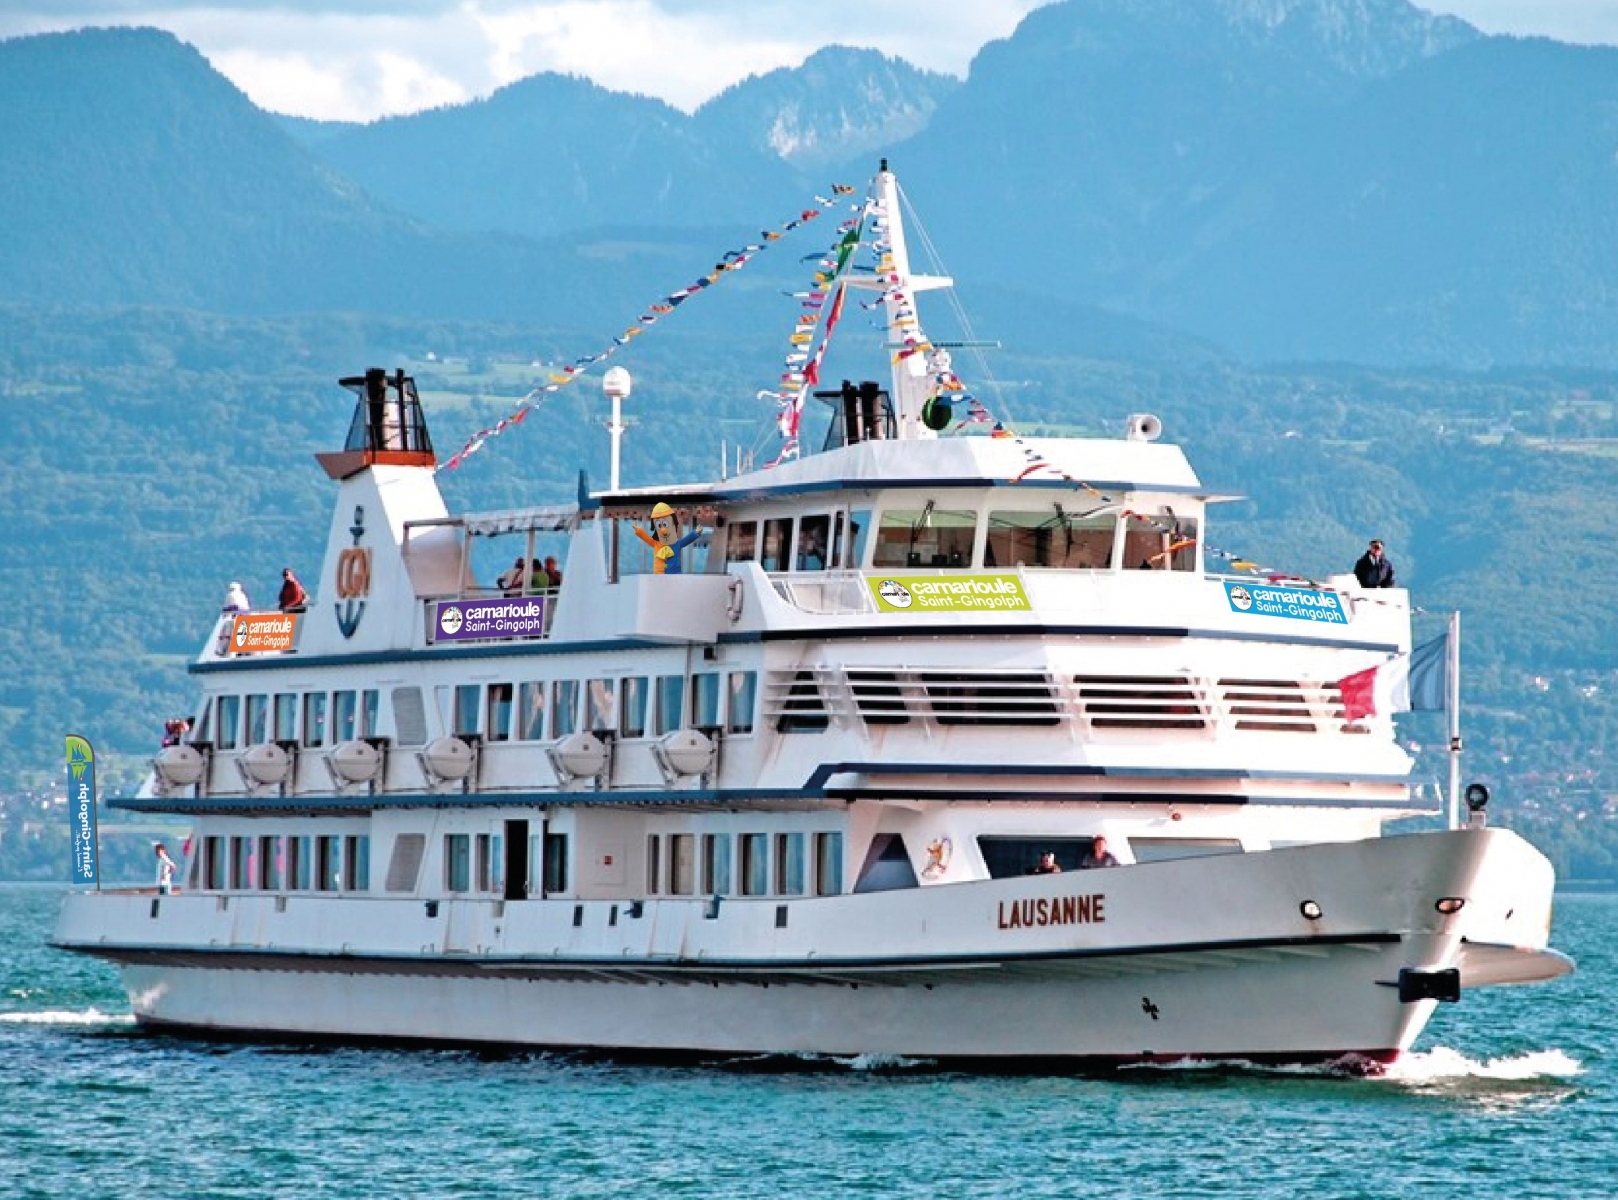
<point>1047,865</point>
<point>554,571</point>
<point>166,867</point>
<point>511,582</point>
<point>1099,855</point>
<point>293,598</point>
<point>1375,569</point>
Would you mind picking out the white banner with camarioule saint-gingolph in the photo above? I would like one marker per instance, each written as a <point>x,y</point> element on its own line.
<point>946,593</point>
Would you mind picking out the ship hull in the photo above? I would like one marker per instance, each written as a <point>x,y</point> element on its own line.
<point>1209,958</point>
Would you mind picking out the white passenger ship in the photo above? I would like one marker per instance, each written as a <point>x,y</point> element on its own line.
<point>789,794</point>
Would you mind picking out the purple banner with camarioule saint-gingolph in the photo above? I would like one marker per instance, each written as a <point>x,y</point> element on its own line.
<point>470,620</point>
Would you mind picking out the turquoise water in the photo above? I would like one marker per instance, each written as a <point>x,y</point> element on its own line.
<point>1513,1092</point>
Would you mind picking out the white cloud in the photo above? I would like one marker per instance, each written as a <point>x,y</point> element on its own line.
<point>360,59</point>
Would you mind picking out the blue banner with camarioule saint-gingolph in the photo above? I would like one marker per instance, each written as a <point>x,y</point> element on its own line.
<point>81,810</point>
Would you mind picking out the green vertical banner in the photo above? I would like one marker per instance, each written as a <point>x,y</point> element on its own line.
<point>81,808</point>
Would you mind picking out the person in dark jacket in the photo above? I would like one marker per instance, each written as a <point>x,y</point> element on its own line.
<point>1374,570</point>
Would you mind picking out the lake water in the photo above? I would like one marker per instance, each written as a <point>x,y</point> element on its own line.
<point>1512,1092</point>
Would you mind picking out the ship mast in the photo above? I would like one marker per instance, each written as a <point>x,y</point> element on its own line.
<point>908,348</point>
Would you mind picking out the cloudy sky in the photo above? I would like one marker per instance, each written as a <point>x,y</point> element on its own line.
<point>361,59</point>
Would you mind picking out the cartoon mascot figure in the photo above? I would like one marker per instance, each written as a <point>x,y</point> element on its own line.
<point>665,540</point>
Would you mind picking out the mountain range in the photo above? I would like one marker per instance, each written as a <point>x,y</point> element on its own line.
<point>1350,180</point>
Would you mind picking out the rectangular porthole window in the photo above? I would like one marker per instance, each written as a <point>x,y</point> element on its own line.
<point>743,687</point>
<point>314,719</point>
<point>654,864</point>
<point>789,864</point>
<point>229,712</point>
<point>457,862</point>
<point>344,717</point>
<point>755,864</point>
<point>286,716</point>
<point>670,713</point>
<point>498,723</point>
<point>531,712</point>
<point>828,864</point>
<point>682,863</point>
<point>716,864</point>
<point>564,707</point>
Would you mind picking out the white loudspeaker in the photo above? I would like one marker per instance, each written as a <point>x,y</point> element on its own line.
<point>1144,427</point>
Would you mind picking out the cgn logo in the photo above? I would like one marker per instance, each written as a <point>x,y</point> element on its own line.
<point>1241,598</point>
<point>241,635</point>
<point>895,593</point>
<point>449,619</point>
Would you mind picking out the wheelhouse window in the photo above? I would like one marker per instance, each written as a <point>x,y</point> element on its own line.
<point>370,722</point>
<point>859,526</point>
<point>1165,543</point>
<point>814,542</point>
<point>777,550</point>
<point>741,541</point>
<point>925,537</point>
<point>1049,538</point>
<point>498,718</point>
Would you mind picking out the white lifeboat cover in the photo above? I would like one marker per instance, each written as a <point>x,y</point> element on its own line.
<point>582,755</point>
<point>178,766</point>
<point>448,758</point>
<point>355,761</point>
<point>266,763</point>
<point>688,751</point>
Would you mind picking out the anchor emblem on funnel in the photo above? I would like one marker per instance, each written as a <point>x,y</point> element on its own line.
<point>353,578</point>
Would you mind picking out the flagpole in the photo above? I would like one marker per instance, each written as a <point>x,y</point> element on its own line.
<point>1452,702</point>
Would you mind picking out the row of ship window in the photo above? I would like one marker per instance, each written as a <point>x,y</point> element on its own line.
<point>284,863</point>
<point>930,536</point>
<point>632,707</point>
<point>333,717</point>
<point>677,864</point>
<point>793,863</point>
<point>781,864</point>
